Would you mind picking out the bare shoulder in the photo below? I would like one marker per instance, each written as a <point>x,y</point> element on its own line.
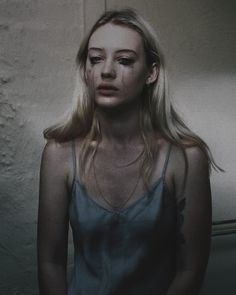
<point>57,157</point>
<point>192,156</point>
<point>57,151</point>
<point>181,156</point>
<point>194,153</point>
<point>189,166</point>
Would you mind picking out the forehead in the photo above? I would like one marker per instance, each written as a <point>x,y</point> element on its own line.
<point>112,36</point>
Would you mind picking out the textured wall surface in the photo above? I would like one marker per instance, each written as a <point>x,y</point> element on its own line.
<point>39,40</point>
<point>38,44</point>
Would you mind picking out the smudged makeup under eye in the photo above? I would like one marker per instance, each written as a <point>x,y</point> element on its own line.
<point>94,59</point>
<point>126,61</point>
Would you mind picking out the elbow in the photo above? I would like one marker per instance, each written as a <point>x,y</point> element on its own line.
<point>186,282</point>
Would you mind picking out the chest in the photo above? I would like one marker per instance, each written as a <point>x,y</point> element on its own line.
<point>118,181</point>
<point>153,216</point>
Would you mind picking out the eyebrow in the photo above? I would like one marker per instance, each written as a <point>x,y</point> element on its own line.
<point>117,51</point>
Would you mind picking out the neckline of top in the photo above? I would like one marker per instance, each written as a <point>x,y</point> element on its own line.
<point>161,179</point>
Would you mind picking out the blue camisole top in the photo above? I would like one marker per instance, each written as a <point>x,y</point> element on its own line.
<point>127,251</point>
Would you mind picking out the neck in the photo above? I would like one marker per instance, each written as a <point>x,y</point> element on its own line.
<point>120,126</point>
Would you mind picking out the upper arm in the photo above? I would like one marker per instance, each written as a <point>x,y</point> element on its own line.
<point>53,205</point>
<point>194,213</point>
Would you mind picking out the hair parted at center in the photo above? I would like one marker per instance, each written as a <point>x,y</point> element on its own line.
<point>157,113</point>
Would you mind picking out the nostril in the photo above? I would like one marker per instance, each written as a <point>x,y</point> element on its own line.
<point>108,73</point>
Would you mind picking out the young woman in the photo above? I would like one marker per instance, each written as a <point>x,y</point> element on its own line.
<point>126,172</point>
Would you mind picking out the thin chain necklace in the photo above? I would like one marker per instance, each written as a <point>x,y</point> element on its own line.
<point>131,162</point>
<point>105,199</point>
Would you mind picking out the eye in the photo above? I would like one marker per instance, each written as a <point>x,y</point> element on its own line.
<point>126,61</point>
<point>95,59</point>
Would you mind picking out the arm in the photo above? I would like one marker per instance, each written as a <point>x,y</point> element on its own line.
<point>52,222</point>
<point>195,229</point>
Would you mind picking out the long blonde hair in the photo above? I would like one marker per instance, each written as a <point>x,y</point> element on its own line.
<point>156,113</point>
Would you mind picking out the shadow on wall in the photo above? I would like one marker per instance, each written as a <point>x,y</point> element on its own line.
<point>220,277</point>
<point>200,38</point>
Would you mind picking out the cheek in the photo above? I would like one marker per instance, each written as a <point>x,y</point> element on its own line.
<point>133,80</point>
<point>90,76</point>
<point>90,81</point>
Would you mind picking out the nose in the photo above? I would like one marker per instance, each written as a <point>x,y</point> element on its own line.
<point>108,70</point>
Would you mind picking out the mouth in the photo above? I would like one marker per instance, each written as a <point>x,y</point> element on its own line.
<point>106,89</point>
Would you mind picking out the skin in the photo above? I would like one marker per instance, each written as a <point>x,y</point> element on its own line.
<point>118,65</point>
<point>121,143</point>
<point>116,57</point>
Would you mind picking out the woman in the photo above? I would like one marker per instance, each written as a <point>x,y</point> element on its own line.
<point>126,172</point>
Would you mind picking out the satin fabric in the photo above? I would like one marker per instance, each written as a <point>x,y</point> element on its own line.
<point>130,251</point>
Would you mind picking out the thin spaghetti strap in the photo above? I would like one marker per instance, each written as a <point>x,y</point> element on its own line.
<point>166,161</point>
<point>74,160</point>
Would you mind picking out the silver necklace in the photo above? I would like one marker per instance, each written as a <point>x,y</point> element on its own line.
<point>102,195</point>
<point>131,162</point>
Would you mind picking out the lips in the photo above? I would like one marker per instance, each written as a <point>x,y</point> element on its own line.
<point>107,87</point>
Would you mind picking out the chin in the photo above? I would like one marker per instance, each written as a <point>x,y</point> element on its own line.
<point>107,102</point>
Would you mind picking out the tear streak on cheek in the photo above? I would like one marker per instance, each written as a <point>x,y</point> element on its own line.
<point>91,81</point>
<point>124,85</point>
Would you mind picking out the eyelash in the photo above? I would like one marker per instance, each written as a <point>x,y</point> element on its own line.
<point>94,59</point>
<point>126,61</point>
<point>123,60</point>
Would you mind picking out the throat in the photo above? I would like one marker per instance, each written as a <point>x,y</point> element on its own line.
<point>120,128</point>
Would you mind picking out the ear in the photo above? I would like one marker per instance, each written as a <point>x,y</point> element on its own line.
<point>152,74</point>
